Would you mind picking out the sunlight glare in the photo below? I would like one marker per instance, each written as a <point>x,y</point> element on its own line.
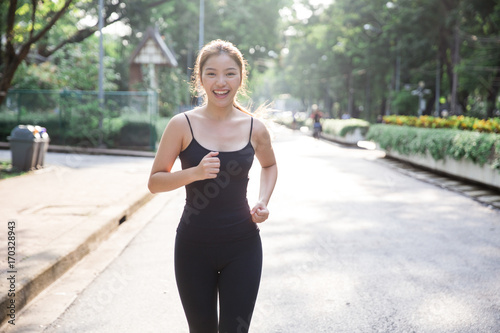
<point>303,12</point>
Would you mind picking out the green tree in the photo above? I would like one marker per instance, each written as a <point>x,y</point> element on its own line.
<point>376,52</point>
<point>70,68</point>
<point>480,68</point>
<point>32,27</point>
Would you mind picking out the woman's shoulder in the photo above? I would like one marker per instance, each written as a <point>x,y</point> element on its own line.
<point>195,113</point>
<point>260,132</point>
<point>180,118</point>
<point>178,131</point>
<point>259,125</point>
<point>177,119</point>
<point>178,123</point>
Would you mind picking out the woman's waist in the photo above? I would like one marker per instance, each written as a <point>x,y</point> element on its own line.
<point>217,213</point>
<point>203,230</point>
<point>214,198</point>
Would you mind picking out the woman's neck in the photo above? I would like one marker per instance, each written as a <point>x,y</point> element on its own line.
<point>216,113</point>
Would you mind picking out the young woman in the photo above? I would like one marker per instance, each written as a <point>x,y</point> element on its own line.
<point>218,252</point>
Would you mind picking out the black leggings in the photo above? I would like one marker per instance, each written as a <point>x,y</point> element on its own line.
<point>231,269</point>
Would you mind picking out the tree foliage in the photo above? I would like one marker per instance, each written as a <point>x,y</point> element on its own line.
<point>71,40</point>
<point>368,55</point>
<point>362,57</point>
<point>40,29</point>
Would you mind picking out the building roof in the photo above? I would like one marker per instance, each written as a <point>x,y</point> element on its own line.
<point>153,50</point>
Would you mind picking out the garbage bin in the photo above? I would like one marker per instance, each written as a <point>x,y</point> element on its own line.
<point>24,145</point>
<point>43,147</point>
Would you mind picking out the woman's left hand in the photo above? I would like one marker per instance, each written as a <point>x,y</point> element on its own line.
<point>259,212</point>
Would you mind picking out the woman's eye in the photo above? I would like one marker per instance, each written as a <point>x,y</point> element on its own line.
<point>231,74</point>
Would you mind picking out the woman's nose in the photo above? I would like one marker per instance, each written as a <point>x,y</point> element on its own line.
<point>221,79</point>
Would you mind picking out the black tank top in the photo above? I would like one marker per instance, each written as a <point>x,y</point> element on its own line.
<point>217,209</point>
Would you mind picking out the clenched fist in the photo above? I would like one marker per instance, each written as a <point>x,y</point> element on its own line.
<point>209,166</point>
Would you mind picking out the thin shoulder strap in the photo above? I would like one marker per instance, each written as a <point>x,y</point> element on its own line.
<point>189,125</point>
<point>251,128</point>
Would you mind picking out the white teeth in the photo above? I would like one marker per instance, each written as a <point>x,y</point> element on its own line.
<point>221,92</point>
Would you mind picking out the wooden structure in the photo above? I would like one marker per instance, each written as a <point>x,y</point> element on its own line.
<point>151,52</point>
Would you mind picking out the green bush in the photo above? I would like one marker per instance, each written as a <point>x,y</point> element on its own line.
<point>9,121</point>
<point>7,124</point>
<point>137,134</point>
<point>288,121</point>
<point>160,125</point>
<point>341,127</point>
<point>82,129</point>
<point>337,127</point>
<point>480,148</point>
<point>405,103</point>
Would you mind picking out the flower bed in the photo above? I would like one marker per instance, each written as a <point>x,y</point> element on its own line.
<point>491,125</point>
<point>471,155</point>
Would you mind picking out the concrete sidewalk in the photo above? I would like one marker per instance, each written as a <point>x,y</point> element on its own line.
<point>59,214</point>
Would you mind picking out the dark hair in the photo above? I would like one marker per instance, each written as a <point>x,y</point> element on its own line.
<point>217,47</point>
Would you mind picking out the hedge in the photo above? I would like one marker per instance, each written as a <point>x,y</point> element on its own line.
<point>337,127</point>
<point>288,121</point>
<point>480,148</point>
<point>341,127</point>
<point>116,132</point>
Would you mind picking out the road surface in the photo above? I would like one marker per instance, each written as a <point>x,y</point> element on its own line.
<point>351,246</point>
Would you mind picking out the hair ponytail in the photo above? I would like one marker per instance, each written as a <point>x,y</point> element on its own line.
<point>237,105</point>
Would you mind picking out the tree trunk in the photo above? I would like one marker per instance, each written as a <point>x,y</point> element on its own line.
<point>13,59</point>
<point>328,101</point>
<point>430,106</point>
<point>492,95</point>
<point>449,69</point>
<point>383,108</point>
<point>13,63</point>
<point>350,92</point>
<point>455,60</point>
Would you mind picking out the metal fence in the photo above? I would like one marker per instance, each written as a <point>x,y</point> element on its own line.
<point>71,117</point>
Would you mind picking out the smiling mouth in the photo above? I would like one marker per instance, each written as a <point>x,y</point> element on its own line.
<point>221,93</point>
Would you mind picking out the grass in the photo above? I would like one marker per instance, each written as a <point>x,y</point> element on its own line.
<point>6,170</point>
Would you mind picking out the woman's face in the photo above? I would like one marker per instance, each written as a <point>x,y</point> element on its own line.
<point>221,79</point>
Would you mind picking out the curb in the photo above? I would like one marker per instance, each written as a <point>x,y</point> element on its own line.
<point>38,277</point>
<point>484,193</point>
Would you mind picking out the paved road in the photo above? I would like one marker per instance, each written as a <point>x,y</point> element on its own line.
<point>351,246</point>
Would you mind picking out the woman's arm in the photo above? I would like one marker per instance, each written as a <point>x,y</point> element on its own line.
<point>269,174</point>
<point>172,142</point>
<point>268,177</point>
